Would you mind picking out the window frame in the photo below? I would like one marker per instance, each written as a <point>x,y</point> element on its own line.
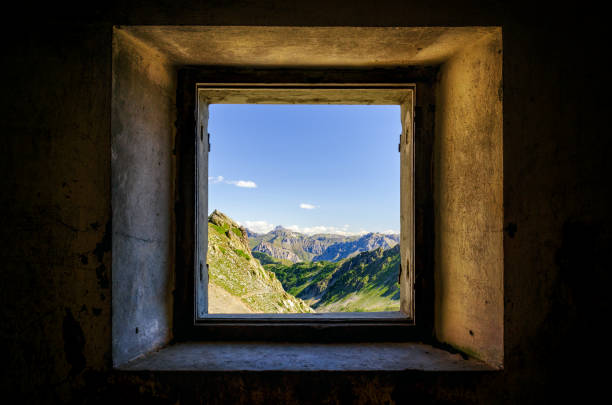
<point>292,327</point>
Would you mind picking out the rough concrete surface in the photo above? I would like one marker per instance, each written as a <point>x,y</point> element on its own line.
<point>469,202</point>
<point>262,356</point>
<point>57,235</point>
<point>309,46</point>
<point>142,187</point>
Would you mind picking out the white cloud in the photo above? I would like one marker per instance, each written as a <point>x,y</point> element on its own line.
<point>215,180</point>
<point>243,183</point>
<point>265,227</point>
<point>307,206</point>
<point>258,226</point>
<point>390,232</point>
<point>311,230</point>
<point>237,183</point>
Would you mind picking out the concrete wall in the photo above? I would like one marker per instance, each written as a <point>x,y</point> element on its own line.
<point>55,231</point>
<point>469,202</point>
<point>55,207</point>
<point>142,186</point>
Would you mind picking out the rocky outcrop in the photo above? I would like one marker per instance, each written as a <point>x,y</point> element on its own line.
<point>276,252</point>
<point>237,277</point>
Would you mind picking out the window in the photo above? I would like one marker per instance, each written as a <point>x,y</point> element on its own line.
<point>303,208</point>
<point>457,271</point>
<point>402,95</point>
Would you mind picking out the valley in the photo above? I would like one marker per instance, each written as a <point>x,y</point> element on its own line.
<point>288,272</point>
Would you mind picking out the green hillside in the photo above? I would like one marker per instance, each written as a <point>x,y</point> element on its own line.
<point>296,278</point>
<point>366,282</point>
<point>237,281</point>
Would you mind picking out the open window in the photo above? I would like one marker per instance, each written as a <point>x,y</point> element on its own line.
<point>457,263</point>
<point>400,95</point>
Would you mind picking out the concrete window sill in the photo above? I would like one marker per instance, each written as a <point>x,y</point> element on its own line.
<point>260,356</point>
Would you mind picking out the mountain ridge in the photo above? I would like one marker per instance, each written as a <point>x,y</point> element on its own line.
<point>283,243</point>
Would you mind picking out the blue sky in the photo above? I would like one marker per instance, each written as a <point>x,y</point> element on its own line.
<point>310,168</point>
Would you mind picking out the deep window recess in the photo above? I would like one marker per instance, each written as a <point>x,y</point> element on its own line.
<point>401,95</point>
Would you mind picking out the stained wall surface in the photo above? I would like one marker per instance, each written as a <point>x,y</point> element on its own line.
<point>469,202</point>
<point>55,266</point>
<point>56,233</point>
<point>142,187</point>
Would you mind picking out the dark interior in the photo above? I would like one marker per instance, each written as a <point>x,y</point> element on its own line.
<point>63,245</point>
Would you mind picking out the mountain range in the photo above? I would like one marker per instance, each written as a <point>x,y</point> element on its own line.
<point>285,244</point>
<point>245,281</point>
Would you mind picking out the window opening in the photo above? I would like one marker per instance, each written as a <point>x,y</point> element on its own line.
<point>303,204</point>
<point>281,277</point>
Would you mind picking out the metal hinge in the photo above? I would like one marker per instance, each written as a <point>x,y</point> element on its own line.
<point>399,275</point>
<point>399,145</point>
<point>209,142</point>
<point>202,271</point>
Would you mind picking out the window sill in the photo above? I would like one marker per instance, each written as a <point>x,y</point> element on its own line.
<point>302,357</point>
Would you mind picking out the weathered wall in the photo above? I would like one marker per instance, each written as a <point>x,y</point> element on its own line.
<point>55,303</point>
<point>55,251</point>
<point>469,202</point>
<point>142,140</point>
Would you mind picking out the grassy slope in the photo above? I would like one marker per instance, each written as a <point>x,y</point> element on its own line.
<point>232,268</point>
<point>266,259</point>
<point>304,280</point>
<point>366,282</point>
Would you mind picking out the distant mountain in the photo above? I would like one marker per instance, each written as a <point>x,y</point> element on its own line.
<point>364,282</point>
<point>350,248</point>
<point>282,243</point>
<point>252,235</point>
<point>237,281</point>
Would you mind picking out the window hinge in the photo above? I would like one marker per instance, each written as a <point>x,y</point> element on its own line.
<point>201,133</point>
<point>399,275</point>
<point>209,142</point>
<point>201,275</point>
<point>399,145</point>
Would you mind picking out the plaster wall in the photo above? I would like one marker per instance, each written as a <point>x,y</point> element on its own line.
<point>142,186</point>
<point>468,201</point>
